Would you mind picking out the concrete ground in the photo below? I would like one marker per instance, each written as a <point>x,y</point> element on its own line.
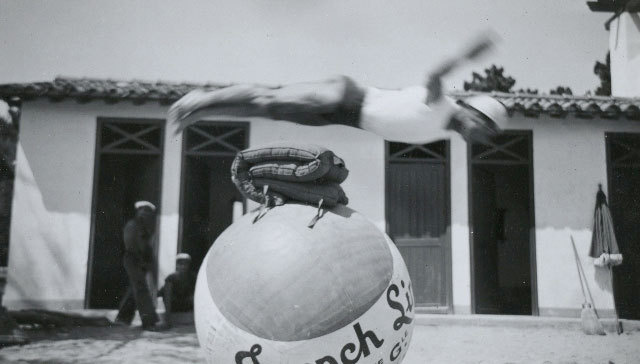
<point>437,342</point>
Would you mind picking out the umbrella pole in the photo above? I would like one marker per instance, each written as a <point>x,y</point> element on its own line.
<point>615,309</point>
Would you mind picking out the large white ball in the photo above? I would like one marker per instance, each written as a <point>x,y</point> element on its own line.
<point>276,291</point>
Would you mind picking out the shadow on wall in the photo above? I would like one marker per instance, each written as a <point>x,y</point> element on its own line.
<point>59,141</point>
<point>48,251</point>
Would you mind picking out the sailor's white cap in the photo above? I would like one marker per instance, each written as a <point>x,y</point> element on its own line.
<point>489,107</point>
<point>5,117</point>
<point>183,256</point>
<point>140,204</point>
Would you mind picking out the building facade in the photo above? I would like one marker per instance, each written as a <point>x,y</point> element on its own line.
<point>484,229</point>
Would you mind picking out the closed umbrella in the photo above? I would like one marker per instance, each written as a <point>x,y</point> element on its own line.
<point>604,246</point>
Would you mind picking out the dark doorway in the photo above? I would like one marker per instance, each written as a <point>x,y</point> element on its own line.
<point>208,195</point>
<point>501,209</point>
<point>623,160</point>
<point>128,169</point>
<point>8,150</point>
<point>418,219</point>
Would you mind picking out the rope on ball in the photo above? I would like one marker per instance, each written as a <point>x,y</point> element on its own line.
<point>286,172</point>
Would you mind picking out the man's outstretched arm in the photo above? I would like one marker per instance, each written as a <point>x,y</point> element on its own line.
<point>434,80</point>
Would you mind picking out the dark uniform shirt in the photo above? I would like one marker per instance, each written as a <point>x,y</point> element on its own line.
<point>137,241</point>
<point>182,289</point>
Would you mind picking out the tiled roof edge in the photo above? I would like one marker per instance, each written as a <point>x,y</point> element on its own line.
<point>164,92</point>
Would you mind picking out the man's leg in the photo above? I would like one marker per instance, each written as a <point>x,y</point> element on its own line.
<point>141,294</point>
<point>236,100</point>
<point>167,295</point>
<point>145,305</point>
<point>299,102</point>
<point>127,307</point>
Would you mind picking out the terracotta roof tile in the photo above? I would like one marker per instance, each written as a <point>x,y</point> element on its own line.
<point>562,105</point>
<point>86,89</point>
<point>138,92</point>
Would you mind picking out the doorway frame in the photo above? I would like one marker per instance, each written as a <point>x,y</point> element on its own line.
<point>608,136</point>
<point>184,154</point>
<point>533,270</point>
<point>448,309</point>
<point>100,121</point>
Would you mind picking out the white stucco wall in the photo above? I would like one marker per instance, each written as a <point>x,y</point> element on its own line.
<point>53,194</point>
<point>51,213</point>
<point>460,253</point>
<point>569,159</point>
<point>50,230</point>
<point>624,47</point>
<point>569,162</point>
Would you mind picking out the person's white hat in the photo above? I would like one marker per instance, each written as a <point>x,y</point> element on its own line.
<point>183,256</point>
<point>140,204</point>
<point>488,106</point>
<point>5,116</point>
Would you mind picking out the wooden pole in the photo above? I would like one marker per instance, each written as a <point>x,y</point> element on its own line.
<point>10,333</point>
<point>613,294</point>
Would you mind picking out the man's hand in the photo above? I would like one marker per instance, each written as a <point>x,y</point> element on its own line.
<point>434,89</point>
<point>479,47</point>
<point>9,114</point>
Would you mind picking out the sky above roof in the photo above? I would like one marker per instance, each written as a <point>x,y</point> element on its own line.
<point>544,43</point>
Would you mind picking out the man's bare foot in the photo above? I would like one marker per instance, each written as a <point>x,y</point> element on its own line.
<point>181,110</point>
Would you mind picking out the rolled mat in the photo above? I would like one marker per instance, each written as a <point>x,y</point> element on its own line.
<point>291,172</point>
